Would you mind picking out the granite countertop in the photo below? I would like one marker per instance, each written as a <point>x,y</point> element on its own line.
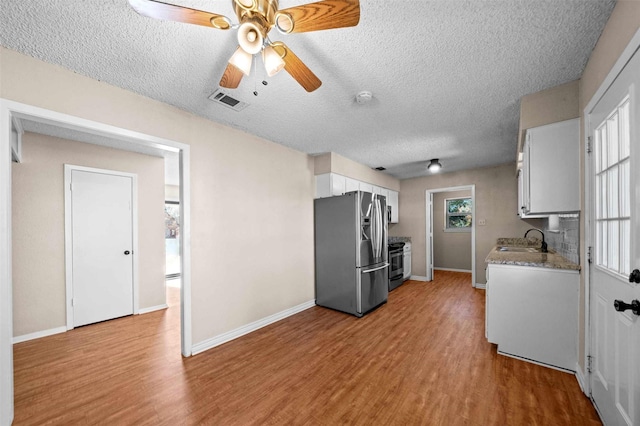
<point>551,260</point>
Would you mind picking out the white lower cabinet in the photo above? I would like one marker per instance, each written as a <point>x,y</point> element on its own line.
<point>532,313</point>
<point>332,184</point>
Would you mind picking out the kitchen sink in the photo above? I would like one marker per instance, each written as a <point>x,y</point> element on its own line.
<point>519,249</point>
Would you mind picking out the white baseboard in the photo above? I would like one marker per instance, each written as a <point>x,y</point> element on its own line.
<point>39,334</point>
<point>453,270</point>
<point>152,308</point>
<point>480,286</point>
<point>246,329</point>
<point>554,367</point>
<point>582,381</point>
<point>418,278</point>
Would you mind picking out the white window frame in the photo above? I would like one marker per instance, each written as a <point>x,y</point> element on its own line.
<point>447,215</point>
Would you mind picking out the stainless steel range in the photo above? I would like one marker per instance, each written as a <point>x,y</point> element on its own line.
<point>396,262</point>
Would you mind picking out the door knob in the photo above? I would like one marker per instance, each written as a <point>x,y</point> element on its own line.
<point>634,277</point>
<point>127,252</point>
<point>621,306</point>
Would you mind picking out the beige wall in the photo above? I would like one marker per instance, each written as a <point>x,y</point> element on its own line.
<point>252,209</point>
<point>333,163</point>
<point>451,250</point>
<point>548,106</point>
<point>496,202</point>
<point>172,193</point>
<point>623,23</point>
<point>38,226</point>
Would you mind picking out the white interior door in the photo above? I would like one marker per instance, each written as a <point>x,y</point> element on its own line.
<point>102,246</point>
<point>615,224</point>
<point>430,239</point>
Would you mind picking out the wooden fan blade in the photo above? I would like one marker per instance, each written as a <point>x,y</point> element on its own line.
<point>296,68</point>
<point>171,12</point>
<point>231,77</point>
<point>324,15</point>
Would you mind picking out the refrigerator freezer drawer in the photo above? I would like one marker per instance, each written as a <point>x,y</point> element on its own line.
<point>372,287</point>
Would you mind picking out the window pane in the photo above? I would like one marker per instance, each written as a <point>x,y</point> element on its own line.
<point>612,192</point>
<point>459,221</point>
<point>625,194</point>
<point>602,149</point>
<point>612,139</point>
<point>613,246</point>
<point>625,130</point>
<point>603,243</point>
<point>462,205</point>
<point>625,248</point>
<point>603,197</point>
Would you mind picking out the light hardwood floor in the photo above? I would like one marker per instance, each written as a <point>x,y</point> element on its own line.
<point>420,359</point>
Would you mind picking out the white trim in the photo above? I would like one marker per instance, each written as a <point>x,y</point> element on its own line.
<point>152,309</point>
<point>418,278</point>
<point>480,286</point>
<point>6,297</point>
<point>68,235</point>
<point>39,334</point>
<point>582,381</point>
<point>251,327</point>
<point>621,62</point>
<point>429,225</point>
<point>452,270</point>
<point>10,109</point>
<point>565,370</point>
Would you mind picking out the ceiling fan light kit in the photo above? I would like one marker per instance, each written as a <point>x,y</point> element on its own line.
<point>242,60</point>
<point>273,63</point>
<point>256,18</point>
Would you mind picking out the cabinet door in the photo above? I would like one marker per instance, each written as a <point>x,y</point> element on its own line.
<point>367,187</point>
<point>337,184</point>
<point>554,167</point>
<point>393,202</point>
<point>351,184</point>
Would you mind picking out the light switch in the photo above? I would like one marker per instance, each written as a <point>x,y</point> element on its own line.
<point>482,222</point>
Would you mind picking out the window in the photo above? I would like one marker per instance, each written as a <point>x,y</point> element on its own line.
<point>613,192</point>
<point>457,214</point>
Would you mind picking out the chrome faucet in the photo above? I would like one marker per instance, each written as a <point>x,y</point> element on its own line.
<point>543,247</point>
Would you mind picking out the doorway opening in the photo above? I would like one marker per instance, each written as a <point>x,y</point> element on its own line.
<point>12,116</point>
<point>450,230</point>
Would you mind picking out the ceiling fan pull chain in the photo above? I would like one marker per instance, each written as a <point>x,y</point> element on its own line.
<point>255,78</point>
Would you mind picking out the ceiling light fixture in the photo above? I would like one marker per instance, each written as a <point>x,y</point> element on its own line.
<point>434,166</point>
<point>364,97</point>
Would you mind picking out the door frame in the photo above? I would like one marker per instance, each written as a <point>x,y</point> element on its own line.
<point>429,229</point>
<point>10,110</point>
<point>626,55</point>
<point>68,234</point>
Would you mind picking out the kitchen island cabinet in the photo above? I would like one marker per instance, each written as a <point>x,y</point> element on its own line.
<point>532,313</point>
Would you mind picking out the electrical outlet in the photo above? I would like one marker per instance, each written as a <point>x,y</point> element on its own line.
<point>482,222</point>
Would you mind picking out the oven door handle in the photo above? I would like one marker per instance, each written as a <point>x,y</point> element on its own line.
<point>366,271</point>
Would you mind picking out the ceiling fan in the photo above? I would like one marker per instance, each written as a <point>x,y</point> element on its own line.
<point>256,18</point>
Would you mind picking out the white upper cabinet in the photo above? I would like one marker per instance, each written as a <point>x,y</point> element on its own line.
<point>332,184</point>
<point>548,182</point>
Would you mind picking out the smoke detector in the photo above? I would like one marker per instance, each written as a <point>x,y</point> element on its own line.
<point>364,97</point>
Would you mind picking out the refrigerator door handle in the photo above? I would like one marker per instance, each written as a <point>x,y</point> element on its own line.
<point>366,271</point>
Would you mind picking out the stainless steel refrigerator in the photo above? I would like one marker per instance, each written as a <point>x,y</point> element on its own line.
<point>351,252</point>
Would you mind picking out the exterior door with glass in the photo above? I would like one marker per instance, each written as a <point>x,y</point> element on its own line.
<point>614,127</point>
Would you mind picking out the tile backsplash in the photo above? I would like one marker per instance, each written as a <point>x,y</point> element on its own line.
<point>565,240</point>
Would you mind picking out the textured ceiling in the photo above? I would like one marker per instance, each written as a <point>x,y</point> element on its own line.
<point>446,75</point>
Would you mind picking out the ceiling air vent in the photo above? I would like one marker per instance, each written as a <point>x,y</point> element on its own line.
<point>222,98</point>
